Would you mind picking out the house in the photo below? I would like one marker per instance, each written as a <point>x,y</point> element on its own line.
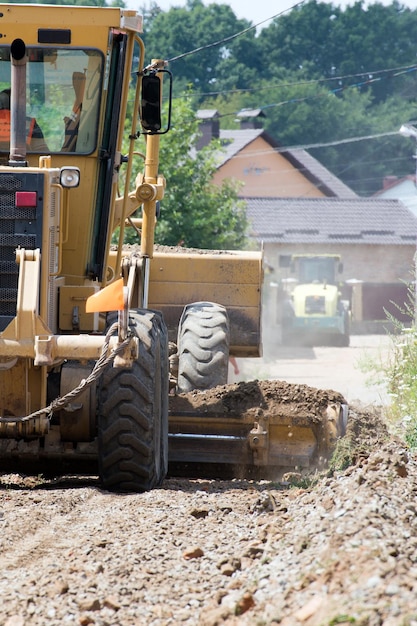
<point>403,189</point>
<point>295,205</point>
<point>251,156</point>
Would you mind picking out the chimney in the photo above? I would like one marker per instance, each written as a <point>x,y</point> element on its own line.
<point>251,118</point>
<point>209,126</point>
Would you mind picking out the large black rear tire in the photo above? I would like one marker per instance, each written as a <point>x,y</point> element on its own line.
<point>133,412</point>
<point>203,346</point>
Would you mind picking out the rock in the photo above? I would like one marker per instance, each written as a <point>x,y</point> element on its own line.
<point>111,602</point>
<point>199,513</point>
<point>89,604</point>
<point>245,603</point>
<point>309,609</point>
<point>60,587</point>
<point>192,553</point>
<point>229,566</point>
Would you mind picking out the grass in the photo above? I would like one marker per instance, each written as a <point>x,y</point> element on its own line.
<point>343,456</point>
<point>398,371</point>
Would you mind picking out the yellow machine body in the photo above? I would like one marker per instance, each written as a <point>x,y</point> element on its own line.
<point>74,386</point>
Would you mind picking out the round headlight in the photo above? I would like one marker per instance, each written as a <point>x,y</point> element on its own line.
<point>69,177</point>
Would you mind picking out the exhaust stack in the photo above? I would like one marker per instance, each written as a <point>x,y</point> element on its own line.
<point>18,103</point>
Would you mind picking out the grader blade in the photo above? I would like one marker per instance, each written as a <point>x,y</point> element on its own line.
<point>257,423</point>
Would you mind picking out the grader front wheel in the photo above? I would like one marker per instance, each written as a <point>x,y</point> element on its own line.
<point>133,412</point>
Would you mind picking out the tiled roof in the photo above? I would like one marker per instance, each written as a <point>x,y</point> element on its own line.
<point>309,166</point>
<point>235,140</point>
<point>330,220</point>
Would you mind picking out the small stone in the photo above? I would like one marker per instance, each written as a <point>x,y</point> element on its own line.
<point>60,587</point>
<point>192,553</point>
<point>361,478</point>
<point>245,603</point>
<point>199,513</point>
<point>373,581</point>
<point>228,568</point>
<point>392,590</point>
<point>401,471</point>
<point>309,609</point>
<point>254,551</point>
<point>85,620</point>
<point>111,602</point>
<point>89,604</point>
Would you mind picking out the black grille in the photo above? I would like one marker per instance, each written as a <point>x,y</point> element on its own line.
<point>315,304</point>
<point>20,227</point>
<point>10,182</point>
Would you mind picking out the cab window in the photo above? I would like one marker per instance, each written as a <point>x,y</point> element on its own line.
<point>63,87</point>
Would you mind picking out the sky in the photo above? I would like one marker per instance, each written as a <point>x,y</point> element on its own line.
<point>255,11</point>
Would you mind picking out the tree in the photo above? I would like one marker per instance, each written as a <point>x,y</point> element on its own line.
<point>353,43</point>
<point>195,26</point>
<point>194,211</point>
<point>302,36</point>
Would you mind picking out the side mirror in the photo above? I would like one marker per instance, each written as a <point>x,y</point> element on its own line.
<point>151,99</point>
<point>151,103</point>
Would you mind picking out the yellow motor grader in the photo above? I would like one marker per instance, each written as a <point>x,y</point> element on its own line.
<point>87,329</point>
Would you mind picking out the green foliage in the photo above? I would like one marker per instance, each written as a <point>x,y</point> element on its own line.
<point>304,35</point>
<point>399,371</point>
<point>195,212</point>
<point>352,43</point>
<point>183,29</point>
<point>312,71</point>
<point>342,619</point>
<point>343,456</point>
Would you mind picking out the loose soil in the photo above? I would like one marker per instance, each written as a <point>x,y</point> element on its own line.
<point>272,397</point>
<point>336,546</point>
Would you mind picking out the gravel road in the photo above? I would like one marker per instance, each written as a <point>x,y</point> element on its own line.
<point>337,547</point>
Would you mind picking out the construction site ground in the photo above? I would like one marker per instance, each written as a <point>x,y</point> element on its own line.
<point>335,546</point>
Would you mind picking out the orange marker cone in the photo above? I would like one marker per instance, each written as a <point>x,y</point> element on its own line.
<point>111,298</point>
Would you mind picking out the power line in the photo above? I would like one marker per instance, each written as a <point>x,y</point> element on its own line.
<point>257,153</point>
<point>231,37</point>
<point>373,76</point>
<point>317,81</point>
<point>394,73</point>
<point>310,146</point>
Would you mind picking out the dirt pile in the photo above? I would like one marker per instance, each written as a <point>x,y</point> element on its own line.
<point>272,397</point>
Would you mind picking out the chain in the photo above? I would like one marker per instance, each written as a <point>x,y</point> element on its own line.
<point>102,362</point>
